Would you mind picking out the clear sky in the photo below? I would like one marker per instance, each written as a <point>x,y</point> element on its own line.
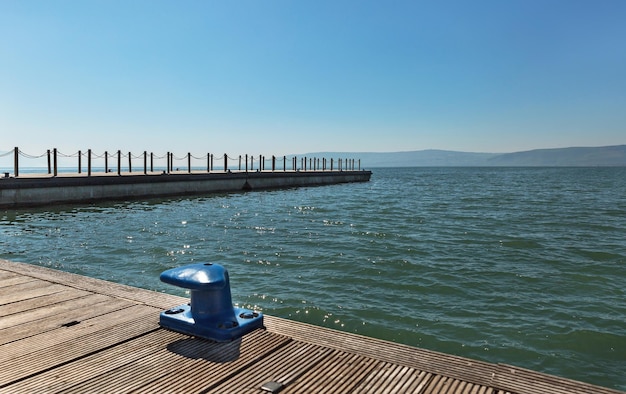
<point>281,77</point>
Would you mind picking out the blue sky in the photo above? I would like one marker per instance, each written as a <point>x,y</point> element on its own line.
<point>282,77</point>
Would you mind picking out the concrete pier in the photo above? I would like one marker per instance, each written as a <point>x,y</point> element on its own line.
<point>38,190</point>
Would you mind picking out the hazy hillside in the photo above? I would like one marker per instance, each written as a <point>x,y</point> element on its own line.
<point>562,157</point>
<point>570,157</point>
<point>429,157</point>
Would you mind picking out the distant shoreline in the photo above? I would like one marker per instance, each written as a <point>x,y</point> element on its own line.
<point>607,156</point>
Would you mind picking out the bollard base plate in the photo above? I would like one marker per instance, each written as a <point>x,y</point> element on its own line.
<point>226,329</point>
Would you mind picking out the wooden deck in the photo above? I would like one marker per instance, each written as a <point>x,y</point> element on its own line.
<point>61,332</point>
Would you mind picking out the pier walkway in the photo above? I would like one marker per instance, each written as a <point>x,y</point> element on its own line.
<point>42,190</point>
<point>61,332</point>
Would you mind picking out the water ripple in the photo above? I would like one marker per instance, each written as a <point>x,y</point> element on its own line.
<point>521,265</point>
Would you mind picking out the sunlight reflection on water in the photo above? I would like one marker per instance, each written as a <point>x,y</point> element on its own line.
<point>522,266</point>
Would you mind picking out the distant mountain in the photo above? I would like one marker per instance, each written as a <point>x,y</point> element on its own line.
<point>607,156</point>
<point>422,158</point>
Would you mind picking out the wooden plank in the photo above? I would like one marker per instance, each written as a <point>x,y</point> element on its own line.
<point>420,359</point>
<point>38,302</point>
<point>7,275</point>
<point>147,297</point>
<point>47,310</point>
<point>340,372</point>
<point>213,370</point>
<point>41,352</point>
<point>524,381</point>
<point>187,365</point>
<point>54,322</point>
<point>438,384</point>
<point>387,376</point>
<point>417,383</point>
<point>442,384</point>
<point>391,378</point>
<point>284,366</point>
<point>7,280</point>
<point>77,372</point>
<point>25,291</point>
<point>64,334</point>
<point>24,286</point>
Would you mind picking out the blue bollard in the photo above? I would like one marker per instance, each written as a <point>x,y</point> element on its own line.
<point>210,314</point>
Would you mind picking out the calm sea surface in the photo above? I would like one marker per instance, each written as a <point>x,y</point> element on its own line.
<point>524,266</point>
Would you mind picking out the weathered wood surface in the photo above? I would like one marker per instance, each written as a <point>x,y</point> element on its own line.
<point>62,332</point>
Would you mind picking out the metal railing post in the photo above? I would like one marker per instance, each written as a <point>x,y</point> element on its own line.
<point>16,161</point>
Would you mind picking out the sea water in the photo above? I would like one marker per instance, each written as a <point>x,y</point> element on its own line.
<point>523,266</point>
